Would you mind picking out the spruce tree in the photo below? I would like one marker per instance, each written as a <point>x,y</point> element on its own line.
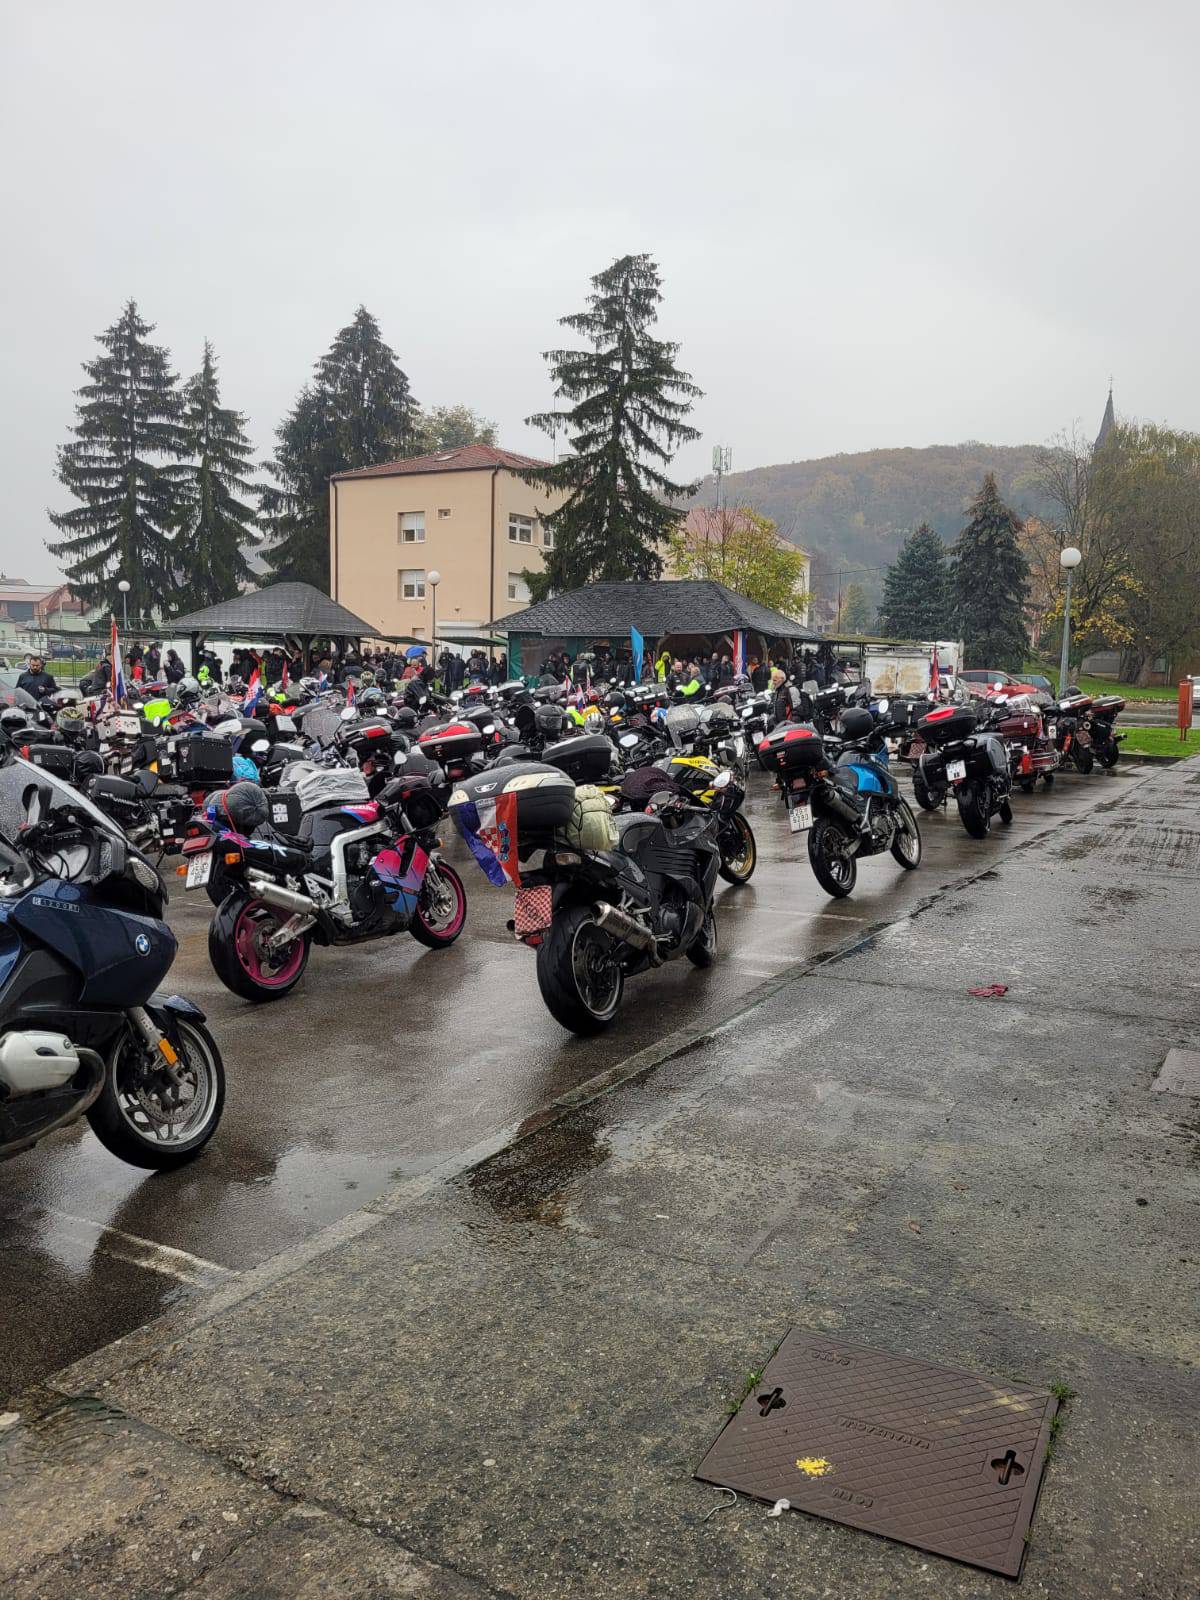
<point>357,412</point>
<point>629,404</point>
<point>123,466</point>
<point>916,597</point>
<point>217,525</point>
<point>989,575</point>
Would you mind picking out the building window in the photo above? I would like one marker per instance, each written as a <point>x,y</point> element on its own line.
<point>547,536</point>
<point>518,589</point>
<point>520,529</point>
<point>412,583</point>
<point>443,513</point>
<point>412,527</point>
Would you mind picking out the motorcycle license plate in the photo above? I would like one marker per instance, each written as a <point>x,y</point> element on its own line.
<point>956,771</point>
<point>800,818</point>
<point>1052,731</point>
<point>199,871</point>
<point>739,744</point>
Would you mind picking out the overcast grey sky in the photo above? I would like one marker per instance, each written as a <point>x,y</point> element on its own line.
<point>878,224</point>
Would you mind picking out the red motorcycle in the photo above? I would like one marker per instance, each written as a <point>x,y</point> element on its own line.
<point>1031,734</point>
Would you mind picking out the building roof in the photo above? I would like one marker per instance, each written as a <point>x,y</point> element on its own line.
<point>679,605</point>
<point>466,458</point>
<point>21,589</point>
<point>295,608</point>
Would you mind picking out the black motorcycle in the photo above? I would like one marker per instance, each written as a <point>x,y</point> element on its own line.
<point>967,761</point>
<point>606,897</point>
<point>1105,741</point>
<point>848,804</point>
<point>83,1029</point>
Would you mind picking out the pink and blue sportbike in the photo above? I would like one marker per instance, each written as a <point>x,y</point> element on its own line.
<point>347,869</point>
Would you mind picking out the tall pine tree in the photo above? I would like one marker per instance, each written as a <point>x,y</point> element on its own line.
<point>217,525</point>
<point>989,575</point>
<point>123,466</point>
<point>627,420</point>
<point>916,596</point>
<point>357,412</point>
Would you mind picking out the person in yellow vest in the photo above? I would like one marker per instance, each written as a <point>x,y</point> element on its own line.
<point>662,666</point>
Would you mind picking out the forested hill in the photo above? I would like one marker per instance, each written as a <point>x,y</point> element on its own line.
<point>854,510</point>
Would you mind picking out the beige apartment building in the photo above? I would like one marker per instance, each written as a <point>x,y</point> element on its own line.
<point>465,514</point>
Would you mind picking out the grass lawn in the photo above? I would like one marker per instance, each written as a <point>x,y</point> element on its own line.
<point>1049,669</point>
<point>1158,741</point>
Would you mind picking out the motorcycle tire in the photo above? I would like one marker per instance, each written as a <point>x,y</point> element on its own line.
<point>581,983</point>
<point>739,850</point>
<point>1048,779</point>
<point>973,811</point>
<point>909,859</point>
<point>833,868</point>
<point>123,1116</point>
<point>425,927</point>
<point>1027,785</point>
<point>1109,755</point>
<point>928,799</point>
<point>705,947</point>
<point>1006,812</point>
<point>1083,758</point>
<point>236,960</point>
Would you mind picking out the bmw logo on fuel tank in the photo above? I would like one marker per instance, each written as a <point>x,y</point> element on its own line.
<point>142,944</point>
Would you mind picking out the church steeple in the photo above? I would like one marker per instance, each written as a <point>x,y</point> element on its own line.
<point>1108,421</point>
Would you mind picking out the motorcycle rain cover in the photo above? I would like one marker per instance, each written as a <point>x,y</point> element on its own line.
<point>489,825</point>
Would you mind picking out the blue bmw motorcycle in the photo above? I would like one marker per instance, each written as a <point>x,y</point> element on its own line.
<point>84,1030</point>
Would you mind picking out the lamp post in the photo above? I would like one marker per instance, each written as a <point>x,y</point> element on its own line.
<point>1069,558</point>
<point>433,579</point>
<point>123,586</point>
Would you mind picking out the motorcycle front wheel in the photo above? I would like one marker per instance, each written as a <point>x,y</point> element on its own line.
<point>906,844</point>
<point>739,850</point>
<point>1109,754</point>
<point>834,867</point>
<point>1083,758</point>
<point>702,951</point>
<point>237,939</point>
<point>441,912</point>
<point>579,972</point>
<point>143,1116</point>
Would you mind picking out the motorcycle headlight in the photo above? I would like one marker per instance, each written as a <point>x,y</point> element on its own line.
<point>722,780</point>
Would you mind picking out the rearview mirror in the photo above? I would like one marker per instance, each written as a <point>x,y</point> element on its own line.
<point>349,714</point>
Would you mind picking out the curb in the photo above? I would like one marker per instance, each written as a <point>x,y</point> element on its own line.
<point>84,1376</point>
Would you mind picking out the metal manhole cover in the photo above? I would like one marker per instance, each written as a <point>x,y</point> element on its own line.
<point>930,1456</point>
<point>1180,1073</point>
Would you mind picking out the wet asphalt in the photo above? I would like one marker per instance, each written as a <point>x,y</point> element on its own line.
<point>388,1061</point>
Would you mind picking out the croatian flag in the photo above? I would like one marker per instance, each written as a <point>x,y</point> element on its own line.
<point>935,676</point>
<point>254,693</point>
<point>489,825</point>
<point>739,653</point>
<point>323,681</point>
<point>118,673</point>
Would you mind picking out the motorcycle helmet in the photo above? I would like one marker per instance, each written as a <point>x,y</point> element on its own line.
<point>405,718</point>
<point>189,685</point>
<point>242,807</point>
<point>88,764</point>
<point>371,698</point>
<point>857,722</point>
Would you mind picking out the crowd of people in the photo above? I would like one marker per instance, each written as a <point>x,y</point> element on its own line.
<point>690,673</point>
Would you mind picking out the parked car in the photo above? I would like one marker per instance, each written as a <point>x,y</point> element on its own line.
<point>977,679</point>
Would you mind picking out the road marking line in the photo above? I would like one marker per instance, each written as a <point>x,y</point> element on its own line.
<point>155,1257</point>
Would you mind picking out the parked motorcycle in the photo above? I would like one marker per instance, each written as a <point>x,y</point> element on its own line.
<point>849,805</point>
<point>83,1031</point>
<point>1105,741</point>
<point>357,869</point>
<point>968,762</point>
<point>609,897</point>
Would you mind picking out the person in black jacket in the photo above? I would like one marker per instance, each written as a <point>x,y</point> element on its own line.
<point>35,680</point>
<point>174,670</point>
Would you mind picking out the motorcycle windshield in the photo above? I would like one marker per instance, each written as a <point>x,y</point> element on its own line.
<point>16,777</point>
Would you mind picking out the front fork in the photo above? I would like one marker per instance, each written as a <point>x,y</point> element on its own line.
<point>157,1043</point>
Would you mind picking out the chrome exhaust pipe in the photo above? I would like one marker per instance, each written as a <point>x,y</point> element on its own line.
<point>274,894</point>
<point>622,926</point>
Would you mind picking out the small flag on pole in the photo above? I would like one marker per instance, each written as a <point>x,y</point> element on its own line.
<point>350,693</point>
<point>739,653</point>
<point>935,676</point>
<point>118,674</point>
<point>254,694</point>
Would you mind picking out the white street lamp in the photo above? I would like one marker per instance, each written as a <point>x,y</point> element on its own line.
<point>123,586</point>
<point>433,579</point>
<point>1068,558</point>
